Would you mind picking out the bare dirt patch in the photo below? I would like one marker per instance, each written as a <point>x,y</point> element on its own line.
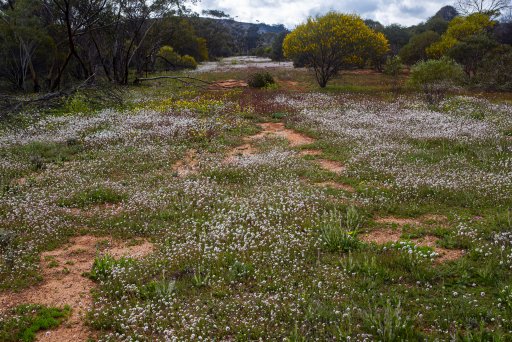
<point>107,208</point>
<point>277,129</point>
<point>188,165</point>
<point>291,85</point>
<point>435,218</point>
<point>63,283</point>
<point>398,221</point>
<point>310,152</point>
<point>425,219</point>
<point>244,150</point>
<point>227,84</point>
<point>335,185</point>
<point>383,236</point>
<point>331,165</point>
<point>360,72</point>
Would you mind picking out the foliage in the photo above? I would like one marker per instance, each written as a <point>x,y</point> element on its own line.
<point>415,50</point>
<point>388,322</point>
<point>260,80</point>
<point>470,52</point>
<point>182,36</point>
<point>393,68</point>
<point>96,195</point>
<point>104,266</point>
<point>495,71</point>
<point>188,62</point>
<point>397,35</point>
<point>332,42</point>
<point>436,77</point>
<point>459,29</point>
<point>27,320</point>
<point>277,47</point>
<point>167,57</point>
<point>339,232</point>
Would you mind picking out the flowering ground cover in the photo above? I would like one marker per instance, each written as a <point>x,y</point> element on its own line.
<point>273,214</point>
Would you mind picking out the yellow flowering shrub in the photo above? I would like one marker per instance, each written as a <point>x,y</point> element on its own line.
<point>459,29</point>
<point>334,41</point>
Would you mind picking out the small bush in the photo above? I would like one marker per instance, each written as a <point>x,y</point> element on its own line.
<point>103,266</point>
<point>77,103</point>
<point>188,62</point>
<point>260,80</point>
<point>388,322</point>
<point>436,78</point>
<point>170,59</point>
<point>339,232</point>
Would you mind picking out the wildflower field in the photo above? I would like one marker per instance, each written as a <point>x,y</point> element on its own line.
<point>280,214</point>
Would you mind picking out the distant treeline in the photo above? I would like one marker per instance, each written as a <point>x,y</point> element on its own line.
<point>47,44</point>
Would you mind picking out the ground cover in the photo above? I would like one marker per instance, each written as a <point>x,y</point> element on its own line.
<point>277,214</point>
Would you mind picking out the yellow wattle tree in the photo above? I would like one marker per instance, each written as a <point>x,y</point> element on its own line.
<point>459,29</point>
<point>332,42</point>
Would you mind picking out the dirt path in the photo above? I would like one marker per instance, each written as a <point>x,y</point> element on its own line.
<point>227,84</point>
<point>399,221</point>
<point>63,283</point>
<point>331,165</point>
<point>271,130</point>
<point>294,138</point>
<point>277,129</point>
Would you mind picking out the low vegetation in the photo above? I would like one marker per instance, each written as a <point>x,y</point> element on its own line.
<point>26,320</point>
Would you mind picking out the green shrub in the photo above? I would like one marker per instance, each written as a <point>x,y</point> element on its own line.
<point>339,232</point>
<point>388,322</point>
<point>495,71</point>
<point>167,59</point>
<point>393,68</point>
<point>436,77</point>
<point>77,103</point>
<point>260,80</point>
<point>103,266</point>
<point>188,62</point>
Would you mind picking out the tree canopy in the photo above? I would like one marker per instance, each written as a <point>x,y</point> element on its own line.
<point>459,29</point>
<point>332,42</point>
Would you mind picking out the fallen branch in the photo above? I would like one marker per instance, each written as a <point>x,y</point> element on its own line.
<point>10,104</point>
<point>178,78</point>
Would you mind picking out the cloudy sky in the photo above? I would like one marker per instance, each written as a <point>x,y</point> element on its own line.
<point>292,12</point>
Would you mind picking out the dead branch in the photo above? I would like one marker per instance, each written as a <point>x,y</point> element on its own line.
<point>95,92</point>
<point>181,79</point>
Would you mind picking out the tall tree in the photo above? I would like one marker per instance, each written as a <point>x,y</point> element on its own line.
<point>76,16</point>
<point>493,8</point>
<point>22,37</point>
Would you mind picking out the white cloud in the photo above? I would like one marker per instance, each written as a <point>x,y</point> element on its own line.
<point>293,12</point>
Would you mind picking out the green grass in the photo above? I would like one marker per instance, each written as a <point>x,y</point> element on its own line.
<point>27,320</point>
<point>93,196</point>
